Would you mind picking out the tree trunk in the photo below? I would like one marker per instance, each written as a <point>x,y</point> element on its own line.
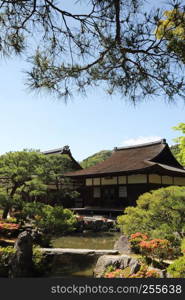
<point>6,211</point>
<point>8,206</point>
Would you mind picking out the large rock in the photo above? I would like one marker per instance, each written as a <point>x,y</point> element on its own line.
<point>22,264</point>
<point>117,261</point>
<point>69,261</point>
<point>122,262</point>
<point>135,268</point>
<point>123,245</point>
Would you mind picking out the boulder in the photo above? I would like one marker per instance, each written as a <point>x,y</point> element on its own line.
<point>21,263</point>
<point>117,261</point>
<point>123,245</point>
<point>69,261</point>
<point>122,262</point>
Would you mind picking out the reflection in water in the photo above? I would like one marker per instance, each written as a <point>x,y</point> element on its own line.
<point>87,240</point>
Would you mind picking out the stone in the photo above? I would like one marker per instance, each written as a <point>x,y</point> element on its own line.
<point>117,261</point>
<point>125,262</point>
<point>133,261</point>
<point>73,260</point>
<point>123,245</point>
<point>135,268</point>
<point>21,263</point>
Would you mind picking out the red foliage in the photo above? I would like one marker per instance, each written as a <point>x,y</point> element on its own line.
<point>9,226</point>
<point>138,235</point>
<point>157,248</point>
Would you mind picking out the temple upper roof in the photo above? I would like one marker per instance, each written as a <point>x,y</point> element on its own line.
<point>144,158</point>
<point>64,150</point>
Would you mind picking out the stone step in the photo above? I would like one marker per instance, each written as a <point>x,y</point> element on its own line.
<point>59,251</point>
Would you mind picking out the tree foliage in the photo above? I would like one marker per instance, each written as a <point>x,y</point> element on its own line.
<point>27,176</point>
<point>56,219</point>
<point>173,29</point>
<point>175,150</point>
<point>159,213</point>
<point>20,177</point>
<point>96,158</point>
<point>112,43</point>
<point>181,143</point>
<point>177,268</point>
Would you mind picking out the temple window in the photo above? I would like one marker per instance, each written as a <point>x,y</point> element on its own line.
<point>96,192</point>
<point>122,192</point>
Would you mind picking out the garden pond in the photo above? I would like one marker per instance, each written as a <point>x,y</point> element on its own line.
<point>87,240</point>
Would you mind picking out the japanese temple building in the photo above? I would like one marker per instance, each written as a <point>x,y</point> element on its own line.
<point>118,181</point>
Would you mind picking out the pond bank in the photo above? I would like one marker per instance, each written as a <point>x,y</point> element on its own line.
<point>74,262</point>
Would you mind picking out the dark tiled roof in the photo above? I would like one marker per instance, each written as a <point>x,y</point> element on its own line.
<point>135,159</point>
<point>64,150</point>
<point>53,151</point>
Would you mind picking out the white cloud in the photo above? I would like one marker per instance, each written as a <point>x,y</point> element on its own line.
<point>140,140</point>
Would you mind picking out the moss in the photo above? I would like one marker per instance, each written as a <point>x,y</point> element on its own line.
<point>177,268</point>
<point>126,272</point>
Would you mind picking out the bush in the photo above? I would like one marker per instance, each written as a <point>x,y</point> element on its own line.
<point>56,220</point>
<point>135,240</point>
<point>156,248</point>
<point>10,220</point>
<point>40,265</point>
<point>118,273</point>
<point>159,213</point>
<point>48,218</point>
<point>177,268</point>
<point>145,272</point>
<point>6,254</point>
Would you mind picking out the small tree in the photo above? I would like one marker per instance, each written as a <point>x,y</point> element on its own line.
<point>160,213</point>
<point>55,219</point>
<point>28,175</point>
<point>20,177</point>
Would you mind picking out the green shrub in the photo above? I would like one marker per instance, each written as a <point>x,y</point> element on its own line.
<point>10,220</point>
<point>31,209</point>
<point>159,213</point>
<point>40,265</point>
<point>6,254</point>
<point>177,268</point>
<point>56,220</point>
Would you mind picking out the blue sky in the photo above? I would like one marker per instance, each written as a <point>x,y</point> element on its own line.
<point>87,125</point>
